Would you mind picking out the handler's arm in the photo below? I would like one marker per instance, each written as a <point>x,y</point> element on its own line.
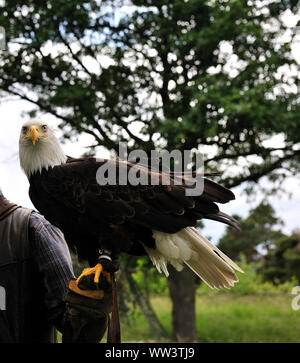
<point>78,318</point>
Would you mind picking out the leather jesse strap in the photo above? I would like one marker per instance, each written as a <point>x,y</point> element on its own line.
<point>6,208</point>
<point>114,330</point>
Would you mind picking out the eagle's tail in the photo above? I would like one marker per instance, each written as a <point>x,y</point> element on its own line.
<point>188,246</point>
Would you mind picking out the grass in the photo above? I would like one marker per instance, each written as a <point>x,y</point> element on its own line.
<point>227,318</point>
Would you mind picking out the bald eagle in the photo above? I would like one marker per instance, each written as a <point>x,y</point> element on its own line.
<point>158,220</point>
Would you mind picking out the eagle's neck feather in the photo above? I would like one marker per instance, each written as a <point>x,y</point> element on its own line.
<point>43,155</point>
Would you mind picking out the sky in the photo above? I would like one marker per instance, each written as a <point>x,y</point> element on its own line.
<point>14,184</point>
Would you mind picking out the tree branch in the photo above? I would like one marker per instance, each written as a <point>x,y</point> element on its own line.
<point>73,54</point>
<point>261,171</point>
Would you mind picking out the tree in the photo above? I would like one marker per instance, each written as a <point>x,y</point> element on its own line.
<point>167,74</point>
<point>260,239</point>
<point>283,260</point>
<point>257,230</point>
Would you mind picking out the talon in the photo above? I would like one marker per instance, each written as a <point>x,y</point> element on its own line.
<point>90,271</point>
<point>99,269</point>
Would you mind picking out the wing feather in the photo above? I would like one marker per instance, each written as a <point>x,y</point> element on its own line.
<point>165,208</point>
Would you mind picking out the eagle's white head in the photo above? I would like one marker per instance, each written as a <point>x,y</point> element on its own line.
<point>39,147</point>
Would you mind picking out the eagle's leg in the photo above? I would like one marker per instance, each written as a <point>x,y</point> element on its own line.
<point>98,269</point>
<point>92,270</point>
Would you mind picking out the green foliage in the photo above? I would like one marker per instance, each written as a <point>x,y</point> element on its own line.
<point>148,283</point>
<point>148,279</point>
<point>283,260</point>
<point>251,282</point>
<point>277,256</point>
<point>258,229</point>
<point>158,74</point>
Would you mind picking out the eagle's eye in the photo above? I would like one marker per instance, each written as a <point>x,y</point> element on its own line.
<point>44,128</point>
<point>25,129</point>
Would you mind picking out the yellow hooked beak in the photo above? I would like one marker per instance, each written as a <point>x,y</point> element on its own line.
<point>34,133</point>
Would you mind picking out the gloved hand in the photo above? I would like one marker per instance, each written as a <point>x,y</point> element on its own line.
<point>89,306</point>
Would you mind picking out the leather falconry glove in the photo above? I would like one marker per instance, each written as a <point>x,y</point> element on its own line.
<point>89,307</point>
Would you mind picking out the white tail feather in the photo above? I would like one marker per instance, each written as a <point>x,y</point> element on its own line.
<point>188,246</point>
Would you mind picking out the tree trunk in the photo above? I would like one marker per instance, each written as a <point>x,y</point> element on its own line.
<point>146,308</point>
<point>182,289</point>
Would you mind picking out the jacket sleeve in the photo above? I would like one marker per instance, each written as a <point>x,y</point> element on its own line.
<point>53,261</point>
<point>79,319</point>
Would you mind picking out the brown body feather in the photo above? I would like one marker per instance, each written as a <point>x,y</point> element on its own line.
<point>119,217</point>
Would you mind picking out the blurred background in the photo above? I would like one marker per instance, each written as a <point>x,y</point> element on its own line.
<point>219,77</point>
